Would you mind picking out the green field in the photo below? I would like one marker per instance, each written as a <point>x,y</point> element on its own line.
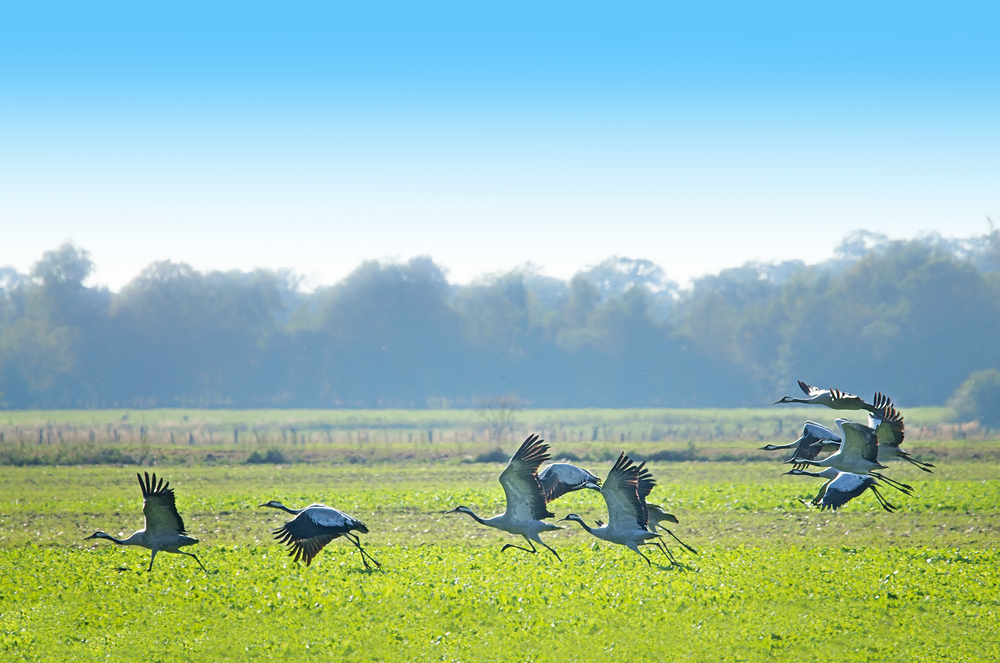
<point>773,580</point>
<point>198,437</point>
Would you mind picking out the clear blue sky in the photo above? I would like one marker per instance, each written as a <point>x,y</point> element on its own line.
<point>315,135</point>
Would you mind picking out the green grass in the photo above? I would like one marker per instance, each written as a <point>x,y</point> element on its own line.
<point>773,580</point>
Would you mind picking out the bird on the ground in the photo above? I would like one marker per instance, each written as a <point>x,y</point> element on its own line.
<point>832,398</point>
<point>888,425</point>
<point>627,515</point>
<point>858,453</point>
<point>164,530</point>
<point>526,510</point>
<point>560,478</point>
<point>842,487</point>
<point>315,526</point>
<point>815,438</point>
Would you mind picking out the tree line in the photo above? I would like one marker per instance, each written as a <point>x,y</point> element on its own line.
<point>913,318</point>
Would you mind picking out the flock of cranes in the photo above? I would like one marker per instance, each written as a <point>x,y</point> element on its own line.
<point>849,468</point>
<point>855,454</point>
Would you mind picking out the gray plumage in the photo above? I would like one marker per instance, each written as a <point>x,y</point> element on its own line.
<point>560,478</point>
<point>315,526</point>
<point>164,529</point>
<point>526,509</point>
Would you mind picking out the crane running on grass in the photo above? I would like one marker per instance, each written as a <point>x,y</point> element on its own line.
<point>526,508</point>
<point>841,487</point>
<point>164,528</point>
<point>627,515</point>
<point>315,526</point>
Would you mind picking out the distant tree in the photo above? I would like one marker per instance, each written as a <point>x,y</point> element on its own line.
<point>978,398</point>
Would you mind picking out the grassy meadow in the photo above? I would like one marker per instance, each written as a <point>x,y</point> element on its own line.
<point>772,580</point>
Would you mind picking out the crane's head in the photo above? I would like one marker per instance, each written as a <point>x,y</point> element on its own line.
<point>99,535</point>
<point>575,517</point>
<point>460,509</point>
<point>274,504</point>
<point>786,399</point>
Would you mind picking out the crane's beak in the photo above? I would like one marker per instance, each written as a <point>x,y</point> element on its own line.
<point>92,536</point>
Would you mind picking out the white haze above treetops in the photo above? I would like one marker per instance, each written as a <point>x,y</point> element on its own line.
<point>314,136</point>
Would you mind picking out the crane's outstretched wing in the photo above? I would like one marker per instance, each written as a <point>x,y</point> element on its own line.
<point>815,438</point>
<point>644,480</point>
<point>560,478</point>
<point>808,389</point>
<point>836,398</point>
<point>887,422</point>
<point>626,510</point>
<point>843,488</point>
<point>158,506</point>
<point>316,526</point>
<point>525,500</point>
<point>859,439</point>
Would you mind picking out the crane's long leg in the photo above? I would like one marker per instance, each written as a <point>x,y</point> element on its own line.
<point>551,550</point>
<point>353,538</point>
<point>663,548</point>
<point>151,558</point>
<point>181,552</point>
<point>679,541</point>
<point>881,500</point>
<point>922,465</point>
<point>634,547</point>
<point>533,550</point>
<point>901,487</point>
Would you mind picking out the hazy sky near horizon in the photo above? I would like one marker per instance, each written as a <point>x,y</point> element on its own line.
<point>313,136</point>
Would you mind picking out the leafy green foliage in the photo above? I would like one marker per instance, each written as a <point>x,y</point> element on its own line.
<point>978,398</point>
<point>773,580</point>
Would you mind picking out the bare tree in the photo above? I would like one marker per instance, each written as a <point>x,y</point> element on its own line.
<point>498,412</point>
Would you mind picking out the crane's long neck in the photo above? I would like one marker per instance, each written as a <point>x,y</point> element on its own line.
<point>478,519</point>
<point>134,540</point>
<point>827,473</point>
<point>284,508</point>
<point>585,526</point>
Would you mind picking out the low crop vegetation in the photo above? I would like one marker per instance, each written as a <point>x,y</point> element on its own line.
<point>773,580</point>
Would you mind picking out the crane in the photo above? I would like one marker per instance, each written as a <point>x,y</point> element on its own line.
<point>888,425</point>
<point>834,399</point>
<point>164,530</point>
<point>842,487</point>
<point>526,509</point>
<point>560,478</point>
<point>315,526</point>
<point>858,453</point>
<point>627,515</point>
<point>815,438</point>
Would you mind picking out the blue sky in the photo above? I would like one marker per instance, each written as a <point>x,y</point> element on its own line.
<point>313,136</point>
